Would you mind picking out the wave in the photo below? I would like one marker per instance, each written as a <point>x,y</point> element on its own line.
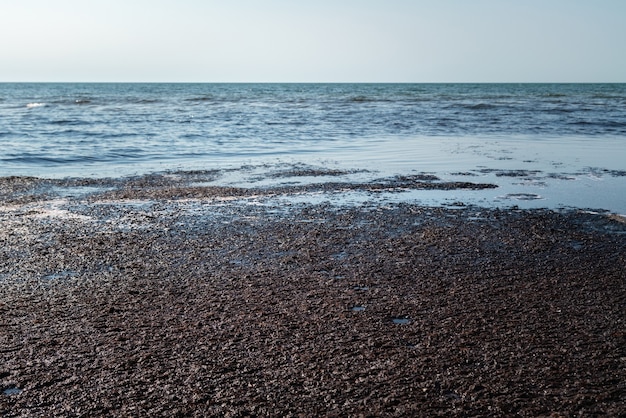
<point>38,160</point>
<point>117,135</point>
<point>68,122</point>
<point>73,101</point>
<point>60,102</point>
<point>366,99</point>
<point>200,99</point>
<point>601,124</point>
<point>558,110</point>
<point>474,106</point>
<point>73,132</point>
<point>82,101</point>
<point>360,99</point>
<point>481,106</point>
<point>144,101</point>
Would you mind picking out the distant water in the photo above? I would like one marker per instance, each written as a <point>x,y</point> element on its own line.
<point>57,130</point>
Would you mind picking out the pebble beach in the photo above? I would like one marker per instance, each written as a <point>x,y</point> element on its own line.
<point>159,295</point>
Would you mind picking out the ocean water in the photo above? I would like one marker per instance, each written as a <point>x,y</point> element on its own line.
<point>555,138</point>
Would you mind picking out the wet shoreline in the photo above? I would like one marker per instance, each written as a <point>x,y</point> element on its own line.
<point>168,295</point>
<point>495,186</point>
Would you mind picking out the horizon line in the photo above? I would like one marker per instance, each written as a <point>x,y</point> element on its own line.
<point>312,82</point>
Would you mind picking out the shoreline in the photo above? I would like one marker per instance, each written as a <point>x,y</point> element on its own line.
<point>165,295</point>
<point>530,171</point>
<point>292,183</point>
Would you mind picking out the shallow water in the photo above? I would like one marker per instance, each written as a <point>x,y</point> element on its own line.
<point>544,145</point>
<point>558,172</point>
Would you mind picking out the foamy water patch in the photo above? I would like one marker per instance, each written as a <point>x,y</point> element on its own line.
<point>33,105</point>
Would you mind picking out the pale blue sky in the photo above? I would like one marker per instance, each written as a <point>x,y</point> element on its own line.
<point>316,41</point>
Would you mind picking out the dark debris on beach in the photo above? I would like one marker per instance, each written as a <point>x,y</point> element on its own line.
<point>196,184</point>
<point>158,299</point>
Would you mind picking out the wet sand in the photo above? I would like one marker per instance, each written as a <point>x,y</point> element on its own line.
<point>153,296</point>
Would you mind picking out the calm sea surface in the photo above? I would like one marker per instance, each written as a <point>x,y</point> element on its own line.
<point>58,130</point>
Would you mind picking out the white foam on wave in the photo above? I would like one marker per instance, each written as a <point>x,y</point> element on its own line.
<point>31,105</point>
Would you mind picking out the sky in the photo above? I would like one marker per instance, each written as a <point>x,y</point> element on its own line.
<point>313,41</point>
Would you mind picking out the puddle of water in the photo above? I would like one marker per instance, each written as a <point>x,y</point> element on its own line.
<point>10,391</point>
<point>401,321</point>
<point>358,308</point>
<point>361,288</point>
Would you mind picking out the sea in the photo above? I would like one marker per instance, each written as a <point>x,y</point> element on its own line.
<point>544,145</point>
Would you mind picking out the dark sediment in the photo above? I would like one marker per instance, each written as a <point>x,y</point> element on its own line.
<point>186,303</point>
